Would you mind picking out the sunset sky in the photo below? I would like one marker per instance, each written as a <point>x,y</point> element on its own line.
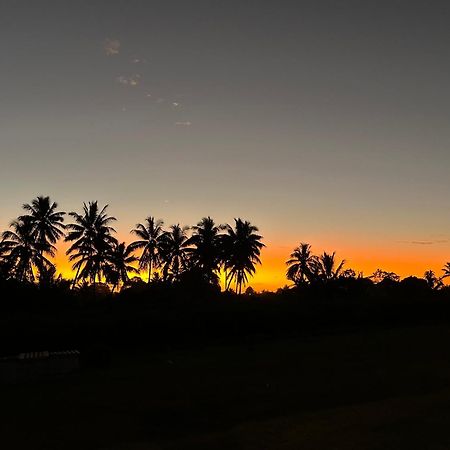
<point>319,121</point>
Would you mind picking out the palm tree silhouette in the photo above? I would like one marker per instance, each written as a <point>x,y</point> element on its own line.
<point>92,239</point>
<point>150,240</point>
<point>174,252</point>
<point>46,220</point>
<point>326,267</point>
<point>432,280</point>
<point>20,250</point>
<point>119,260</point>
<point>206,248</point>
<point>47,224</point>
<point>244,247</point>
<point>446,270</point>
<point>299,264</point>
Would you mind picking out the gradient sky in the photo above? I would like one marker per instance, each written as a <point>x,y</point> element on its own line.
<point>319,121</point>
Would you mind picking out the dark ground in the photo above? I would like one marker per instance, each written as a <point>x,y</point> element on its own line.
<point>376,390</point>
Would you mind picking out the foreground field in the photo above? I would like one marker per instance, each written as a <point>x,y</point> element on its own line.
<point>378,390</point>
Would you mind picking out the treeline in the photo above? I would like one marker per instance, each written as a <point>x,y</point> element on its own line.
<point>159,254</point>
<point>163,288</point>
<point>305,268</point>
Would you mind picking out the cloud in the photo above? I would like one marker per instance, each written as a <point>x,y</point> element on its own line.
<point>132,80</point>
<point>111,46</point>
<point>136,60</point>
<point>439,241</point>
<point>187,123</point>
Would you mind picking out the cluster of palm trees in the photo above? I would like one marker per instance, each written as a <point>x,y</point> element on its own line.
<point>306,268</point>
<point>303,267</point>
<point>27,248</point>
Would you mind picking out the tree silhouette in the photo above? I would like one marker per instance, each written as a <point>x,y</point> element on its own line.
<point>150,238</point>
<point>92,239</point>
<point>244,247</point>
<point>432,280</point>
<point>328,267</point>
<point>446,270</point>
<point>20,250</point>
<point>174,252</point>
<point>380,276</point>
<point>206,248</point>
<point>47,224</point>
<point>119,260</point>
<point>299,264</point>
<point>349,274</point>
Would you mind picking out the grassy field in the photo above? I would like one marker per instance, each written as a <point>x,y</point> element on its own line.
<point>379,390</point>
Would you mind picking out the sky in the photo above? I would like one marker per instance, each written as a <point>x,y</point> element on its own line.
<point>319,121</point>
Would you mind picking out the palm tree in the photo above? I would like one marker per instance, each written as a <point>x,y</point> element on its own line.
<point>150,236</point>
<point>47,221</point>
<point>174,252</point>
<point>432,280</point>
<point>119,261</point>
<point>327,268</point>
<point>92,239</point>
<point>47,224</point>
<point>446,270</point>
<point>21,252</point>
<point>206,250</point>
<point>244,245</point>
<point>299,264</point>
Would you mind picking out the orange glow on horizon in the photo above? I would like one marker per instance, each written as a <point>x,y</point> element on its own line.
<point>403,259</point>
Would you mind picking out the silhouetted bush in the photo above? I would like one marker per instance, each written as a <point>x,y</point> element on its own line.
<point>192,311</point>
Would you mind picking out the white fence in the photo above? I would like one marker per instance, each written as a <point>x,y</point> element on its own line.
<point>38,365</point>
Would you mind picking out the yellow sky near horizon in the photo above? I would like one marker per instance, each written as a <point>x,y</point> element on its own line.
<point>403,258</point>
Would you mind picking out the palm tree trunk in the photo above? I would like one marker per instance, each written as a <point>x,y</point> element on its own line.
<point>41,254</point>
<point>230,280</point>
<point>74,282</point>
<point>149,271</point>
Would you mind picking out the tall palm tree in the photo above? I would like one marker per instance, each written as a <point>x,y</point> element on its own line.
<point>244,245</point>
<point>47,221</point>
<point>20,250</point>
<point>206,248</point>
<point>150,237</point>
<point>299,264</point>
<point>118,266</point>
<point>47,224</point>
<point>92,240</point>
<point>175,252</point>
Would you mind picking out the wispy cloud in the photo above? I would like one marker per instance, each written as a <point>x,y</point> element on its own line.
<point>111,46</point>
<point>136,60</point>
<point>186,123</point>
<point>419,242</point>
<point>132,80</point>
